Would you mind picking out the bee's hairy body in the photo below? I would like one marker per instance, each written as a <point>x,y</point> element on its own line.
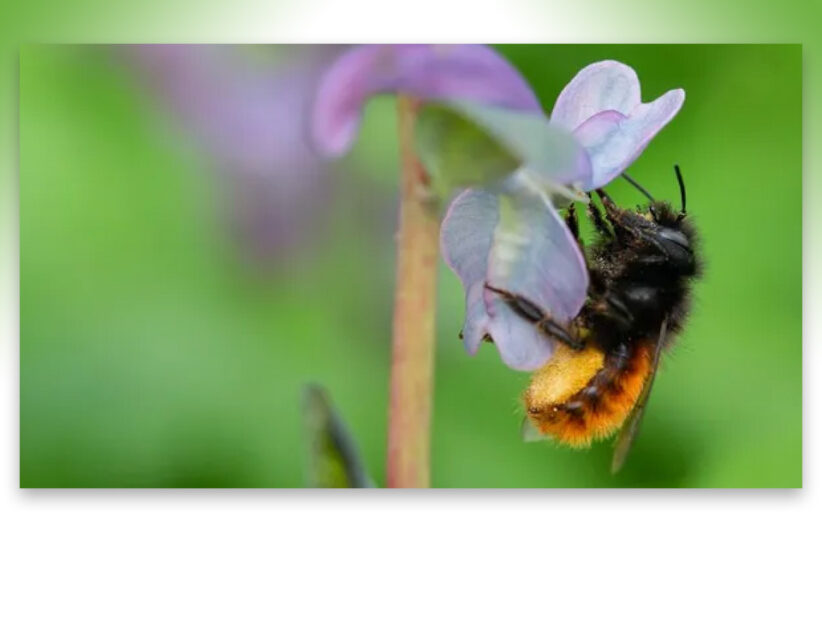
<point>640,272</point>
<point>579,397</point>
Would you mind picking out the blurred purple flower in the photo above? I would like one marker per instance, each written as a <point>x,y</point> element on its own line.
<point>602,107</point>
<point>465,71</point>
<point>249,114</point>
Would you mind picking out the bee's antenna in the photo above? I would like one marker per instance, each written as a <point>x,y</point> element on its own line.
<point>638,186</point>
<point>681,187</point>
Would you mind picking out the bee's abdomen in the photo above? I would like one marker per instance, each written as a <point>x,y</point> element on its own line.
<point>595,409</point>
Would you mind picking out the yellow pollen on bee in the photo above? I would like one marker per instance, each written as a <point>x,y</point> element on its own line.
<point>594,416</point>
<point>567,372</point>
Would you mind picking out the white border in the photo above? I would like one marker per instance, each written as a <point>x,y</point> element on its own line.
<point>497,561</point>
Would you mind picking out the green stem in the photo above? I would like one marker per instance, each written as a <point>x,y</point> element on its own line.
<point>412,359</point>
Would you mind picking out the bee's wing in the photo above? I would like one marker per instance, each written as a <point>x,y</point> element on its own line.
<point>631,427</point>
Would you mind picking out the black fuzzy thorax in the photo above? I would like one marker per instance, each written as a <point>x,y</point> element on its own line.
<point>641,275</point>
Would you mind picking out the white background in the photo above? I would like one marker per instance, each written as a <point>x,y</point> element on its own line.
<point>388,561</point>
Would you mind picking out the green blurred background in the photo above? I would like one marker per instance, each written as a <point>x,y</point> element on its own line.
<point>165,335</point>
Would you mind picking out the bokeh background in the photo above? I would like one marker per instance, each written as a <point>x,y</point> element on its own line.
<point>187,264</point>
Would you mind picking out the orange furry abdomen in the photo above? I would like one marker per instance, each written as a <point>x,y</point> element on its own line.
<point>582,396</point>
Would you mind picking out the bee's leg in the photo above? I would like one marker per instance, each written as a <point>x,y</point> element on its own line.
<point>610,205</point>
<point>609,309</point>
<point>623,222</point>
<point>597,282</point>
<point>573,224</point>
<point>485,337</point>
<point>533,313</point>
<point>599,222</point>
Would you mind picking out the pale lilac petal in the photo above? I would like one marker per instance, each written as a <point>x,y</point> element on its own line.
<point>465,241</point>
<point>593,135</point>
<point>249,115</point>
<point>606,85</point>
<point>534,255</point>
<point>602,106</point>
<point>466,71</point>
<point>513,240</point>
<point>520,344</point>
<point>614,141</point>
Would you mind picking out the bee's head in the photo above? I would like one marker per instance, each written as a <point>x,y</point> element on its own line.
<point>659,211</point>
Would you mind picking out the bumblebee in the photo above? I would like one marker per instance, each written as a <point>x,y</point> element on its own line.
<point>597,383</point>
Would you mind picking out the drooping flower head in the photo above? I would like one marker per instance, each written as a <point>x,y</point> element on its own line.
<point>507,234</point>
<point>465,71</point>
<point>602,108</point>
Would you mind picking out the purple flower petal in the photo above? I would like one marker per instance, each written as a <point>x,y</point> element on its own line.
<point>248,114</point>
<point>465,240</point>
<point>603,108</point>
<point>534,254</point>
<point>514,240</point>
<point>606,85</point>
<point>614,141</point>
<point>465,71</point>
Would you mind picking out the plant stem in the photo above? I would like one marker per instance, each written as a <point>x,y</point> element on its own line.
<point>412,357</point>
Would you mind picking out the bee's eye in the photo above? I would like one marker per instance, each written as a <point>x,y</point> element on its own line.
<point>677,237</point>
<point>677,247</point>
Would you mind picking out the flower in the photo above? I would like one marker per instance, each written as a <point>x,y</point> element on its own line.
<point>509,234</point>
<point>466,71</point>
<point>533,253</point>
<point>512,239</point>
<point>601,106</point>
<point>248,115</point>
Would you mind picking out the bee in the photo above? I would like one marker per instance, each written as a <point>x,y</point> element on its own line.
<point>641,268</point>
